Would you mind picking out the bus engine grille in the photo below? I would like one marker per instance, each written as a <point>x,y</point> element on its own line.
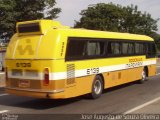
<point>70,73</point>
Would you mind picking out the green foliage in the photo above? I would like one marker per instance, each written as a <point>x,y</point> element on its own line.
<point>111,17</point>
<point>12,11</point>
<point>156,37</point>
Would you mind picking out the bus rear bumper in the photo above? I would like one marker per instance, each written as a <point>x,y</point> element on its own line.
<point>53,94</point>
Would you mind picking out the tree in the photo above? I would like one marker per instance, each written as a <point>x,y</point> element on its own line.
<point>12,11</point>
<point>110,17</point>
<point>156,38</point>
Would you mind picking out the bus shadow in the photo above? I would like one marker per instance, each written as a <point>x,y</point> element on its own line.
<point>120,87</point>
<point>32,103</point>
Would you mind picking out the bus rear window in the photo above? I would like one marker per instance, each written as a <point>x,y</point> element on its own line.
<point>30,27</point>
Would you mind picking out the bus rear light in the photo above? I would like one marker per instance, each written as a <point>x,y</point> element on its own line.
<point>6,74</point>
<point>46,76</point>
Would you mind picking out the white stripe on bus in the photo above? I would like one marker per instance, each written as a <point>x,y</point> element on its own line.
<point>158,74</point>
<point>3,111</point>
<point>4,94</point>
<point>1,73</point>
<point>79,73</point>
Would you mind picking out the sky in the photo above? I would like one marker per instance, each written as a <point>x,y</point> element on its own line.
<point>72,8</point>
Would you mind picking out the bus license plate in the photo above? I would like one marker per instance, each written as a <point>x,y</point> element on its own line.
<point>24,83</point>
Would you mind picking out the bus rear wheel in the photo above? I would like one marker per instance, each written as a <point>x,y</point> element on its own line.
<point>144,76</point>
<point>97,87</point>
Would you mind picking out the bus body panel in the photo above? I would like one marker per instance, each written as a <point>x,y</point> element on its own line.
<point>28,56</point>
<point>34,46</point>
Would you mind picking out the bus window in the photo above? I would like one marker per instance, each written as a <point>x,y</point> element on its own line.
<point>151,50</point>
<point>130,48</point>
<point>114,48</point>
<point>125,48</point>
<point>75,49</point>
<point>139,48</point>
<point>95,48</point>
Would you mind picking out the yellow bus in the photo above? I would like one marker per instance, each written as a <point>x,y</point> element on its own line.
<point>47,60</point>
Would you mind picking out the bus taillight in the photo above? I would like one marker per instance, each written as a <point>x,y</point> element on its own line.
<point>46,76</point>
<point>6,74</point>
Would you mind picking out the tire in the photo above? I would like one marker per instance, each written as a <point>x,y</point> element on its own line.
<point>144,76</point>
<point>97,87</point>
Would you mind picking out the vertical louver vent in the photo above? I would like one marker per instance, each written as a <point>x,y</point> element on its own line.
<point>70,73</point>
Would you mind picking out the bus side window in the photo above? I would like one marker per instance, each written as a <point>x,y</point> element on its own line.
<point>141,48</point>
<point>130,49</point>
<point>137,48</point>
<point>113,48</point>
<point>116,48</point>
<point>109,50</point>
<point>125,48</point>
<point>75,49</point>
<point>84,49</point>
<point>95,48</point>
<point>151,50</point>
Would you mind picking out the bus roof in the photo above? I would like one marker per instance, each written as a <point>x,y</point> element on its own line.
<point>42,26</point>
<point>72,32</point>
